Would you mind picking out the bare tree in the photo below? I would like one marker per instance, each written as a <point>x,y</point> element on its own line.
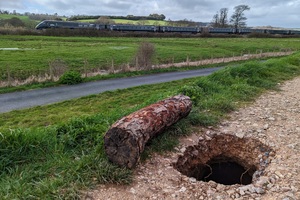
<point>220,19</point>
<point>238,18</point>
<point>215,21</point>
<point>223,17</point>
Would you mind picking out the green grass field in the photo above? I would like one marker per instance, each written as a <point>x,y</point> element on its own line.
<point>6,16</point>
<point>35,53</point>
<point>56,151</point>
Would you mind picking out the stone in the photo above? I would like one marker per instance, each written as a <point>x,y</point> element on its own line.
<point>230,192</point>
<point>285,189</point>
<point>182,150</point>
<point>192,180</point>
<point>271,118</point>
<point>259,190</point>
<point>262,181</point>
<point>266,126</point>
<point>278,173</point>
<point>242,192</point>
<point>240,134</point>
<point>220,187</point>
<point>132,190</point>
<point>183,189</point>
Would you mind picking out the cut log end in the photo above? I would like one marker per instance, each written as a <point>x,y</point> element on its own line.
<point>121,147</point>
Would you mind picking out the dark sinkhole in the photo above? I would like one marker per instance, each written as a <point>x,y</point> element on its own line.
<point>225,159</point>
<point>223,170</point>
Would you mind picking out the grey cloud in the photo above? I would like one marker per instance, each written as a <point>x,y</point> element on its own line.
<point>11,4</point>
<point>270,12</point>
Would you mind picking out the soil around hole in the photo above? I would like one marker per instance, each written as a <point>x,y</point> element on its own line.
<point>225,159</point>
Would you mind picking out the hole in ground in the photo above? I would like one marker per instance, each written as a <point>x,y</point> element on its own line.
<point>225,159</point>
<point>225,171</point>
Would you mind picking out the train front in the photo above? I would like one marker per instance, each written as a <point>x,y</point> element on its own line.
<point>41,25</point>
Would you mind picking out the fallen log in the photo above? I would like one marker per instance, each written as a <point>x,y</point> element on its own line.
<point>126,139</point>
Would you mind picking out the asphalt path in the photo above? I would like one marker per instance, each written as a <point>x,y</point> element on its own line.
<point>38,97</point>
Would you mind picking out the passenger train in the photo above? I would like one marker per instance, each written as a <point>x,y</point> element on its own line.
<point>46,24</point>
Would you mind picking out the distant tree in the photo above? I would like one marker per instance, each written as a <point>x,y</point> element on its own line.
<point>15,22</point>
<point>215,21</point>
<point>5,12</point>
<point>220,19</point>
<point>157,16</point>
<point>223,17</point>
<point>162,17</point>
<point>238,18</point>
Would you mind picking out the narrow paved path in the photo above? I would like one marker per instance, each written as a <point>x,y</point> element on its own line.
<point>26,99</point>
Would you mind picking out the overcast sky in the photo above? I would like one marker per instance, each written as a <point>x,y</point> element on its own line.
<point>277,13</point>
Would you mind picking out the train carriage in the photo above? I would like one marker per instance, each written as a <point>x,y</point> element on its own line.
<point>133,28</point>
<point>162,29</point>
<point>222,30</point>
<point>173,29</point>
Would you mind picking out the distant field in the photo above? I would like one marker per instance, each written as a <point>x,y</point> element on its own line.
<point>32,55</point>
<point>5,16</point>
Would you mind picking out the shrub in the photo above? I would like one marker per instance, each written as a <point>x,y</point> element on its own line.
<point>193,91</point>
<point>71,78</point>
<point>145,55</point>
<point>58,67</point>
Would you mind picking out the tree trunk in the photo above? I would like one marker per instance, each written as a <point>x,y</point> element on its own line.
<point>126,139</point>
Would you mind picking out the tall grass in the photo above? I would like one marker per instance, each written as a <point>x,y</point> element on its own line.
<point>61,160</point>
<point>224,90</point>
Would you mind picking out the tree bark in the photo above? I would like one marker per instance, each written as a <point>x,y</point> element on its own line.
<point>126,139</point>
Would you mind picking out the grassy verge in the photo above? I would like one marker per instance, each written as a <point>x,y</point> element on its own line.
<point>66,157</point>
<point>108,76</point>
<point>112,76</point>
